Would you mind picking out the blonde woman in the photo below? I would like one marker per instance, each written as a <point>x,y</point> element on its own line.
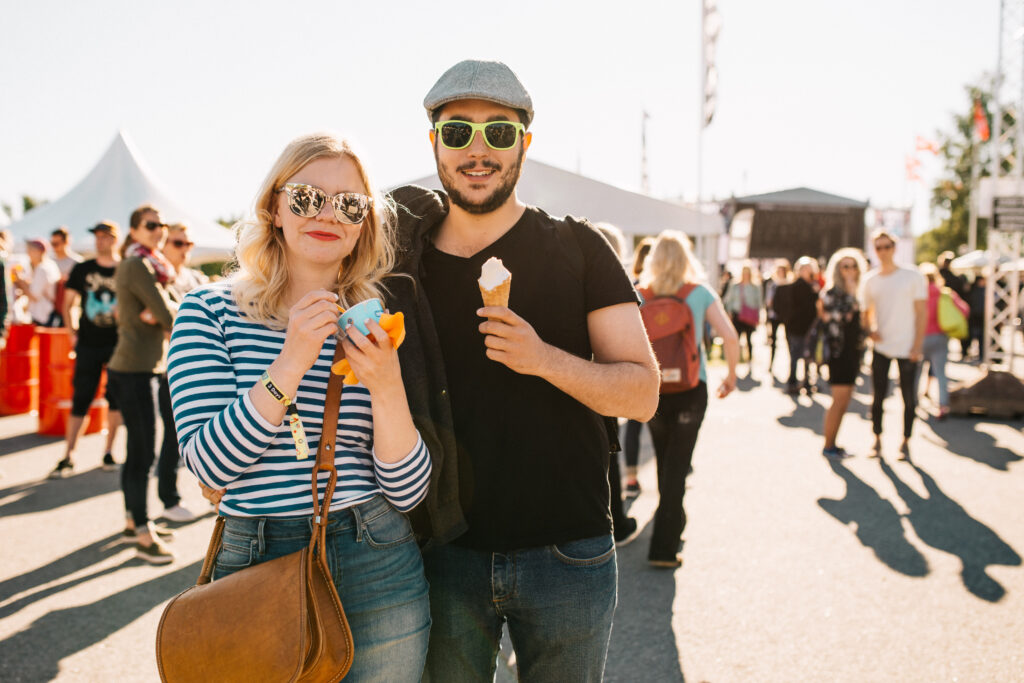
<point>319,237</point>
<point>669,267</point>
<point>843,332</point>
<point>743,302</point>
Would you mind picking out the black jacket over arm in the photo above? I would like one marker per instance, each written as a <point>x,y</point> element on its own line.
<point>440,518</point>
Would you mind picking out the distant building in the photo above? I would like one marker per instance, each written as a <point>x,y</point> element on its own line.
<point>793,223</point>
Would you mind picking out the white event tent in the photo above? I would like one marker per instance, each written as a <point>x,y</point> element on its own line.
<point>562,193</point>
<point>118,184</point>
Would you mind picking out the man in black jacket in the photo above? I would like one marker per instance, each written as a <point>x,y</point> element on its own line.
<point>510,399</point>
<point>796,305</point>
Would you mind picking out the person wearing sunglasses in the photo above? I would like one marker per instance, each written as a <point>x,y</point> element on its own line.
<point>894,299</point>
<point>513,398</point>
<point>842,337</point>
<point>319,238</point>
<point>176,249</point>
<point>145,315</point>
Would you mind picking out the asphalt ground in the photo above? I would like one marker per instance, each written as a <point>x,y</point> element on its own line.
<point>795,568</point>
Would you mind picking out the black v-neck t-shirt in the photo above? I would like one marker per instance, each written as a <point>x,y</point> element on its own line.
<point>533,461</point>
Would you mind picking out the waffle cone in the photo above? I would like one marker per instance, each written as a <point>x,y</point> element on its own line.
<point>499,295</point>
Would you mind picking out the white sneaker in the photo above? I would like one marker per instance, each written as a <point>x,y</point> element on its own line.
<point>179,513</point>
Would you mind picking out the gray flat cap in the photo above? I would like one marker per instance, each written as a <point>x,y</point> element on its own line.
<point>475,79</point>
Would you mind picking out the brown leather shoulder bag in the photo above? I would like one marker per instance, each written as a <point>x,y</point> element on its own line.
<point>280,620</point>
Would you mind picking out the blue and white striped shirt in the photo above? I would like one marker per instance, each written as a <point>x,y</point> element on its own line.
<point>215,356</point>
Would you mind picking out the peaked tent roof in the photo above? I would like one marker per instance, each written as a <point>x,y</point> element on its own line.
<point>118,184</point>
<point>562,192</point>
<point>801,196</point>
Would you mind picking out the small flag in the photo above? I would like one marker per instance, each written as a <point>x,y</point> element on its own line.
<point>912,164</point>
<point>925,145</point>
<point>980,122</point>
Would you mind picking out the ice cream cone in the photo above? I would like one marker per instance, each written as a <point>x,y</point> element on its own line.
<point>497,296</point>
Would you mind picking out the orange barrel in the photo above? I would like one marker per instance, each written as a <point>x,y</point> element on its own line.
<point>19,371</point>
<point>56,370</point>
<point>97,418</point>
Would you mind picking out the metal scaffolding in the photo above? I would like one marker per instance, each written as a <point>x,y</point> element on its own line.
<point>1003,296</point>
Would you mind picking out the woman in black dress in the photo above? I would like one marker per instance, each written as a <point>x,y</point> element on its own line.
<point>842,330</point>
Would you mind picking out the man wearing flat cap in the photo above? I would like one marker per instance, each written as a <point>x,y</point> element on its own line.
<point>511,399</point>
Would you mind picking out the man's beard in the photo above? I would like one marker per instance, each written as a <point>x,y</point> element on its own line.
<point>506,186</point>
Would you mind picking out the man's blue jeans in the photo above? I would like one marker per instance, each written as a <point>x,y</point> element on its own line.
<point>376,567</point>
<point>558,601</point>
<point>797,351</point>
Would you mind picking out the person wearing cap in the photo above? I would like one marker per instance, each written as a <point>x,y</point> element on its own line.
<point>41,285</point>
<point>90,308</point>
<point>511,399</point>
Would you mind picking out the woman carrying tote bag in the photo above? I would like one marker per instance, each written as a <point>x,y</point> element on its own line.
<point>251,356</point>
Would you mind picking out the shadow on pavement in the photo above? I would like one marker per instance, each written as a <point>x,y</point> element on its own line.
<point>23,442</point>
<point>35,653</point>
<point>963,438</point>
<point>747,382</point>
<point>943,524</point>
<point>878,523</point>
<point>48,494</point>
<point>805,416</point>
<point>69,564</point>
<point>642,631</point>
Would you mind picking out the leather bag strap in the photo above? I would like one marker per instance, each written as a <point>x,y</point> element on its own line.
<point>324,462</point>
<point>325,457</point>
<point>211,552</point>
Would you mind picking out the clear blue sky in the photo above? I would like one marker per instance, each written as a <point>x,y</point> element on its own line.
<point>824,94</point>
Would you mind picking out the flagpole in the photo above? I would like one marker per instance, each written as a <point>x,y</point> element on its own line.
<point>972,207</point>
<point>700,123</point>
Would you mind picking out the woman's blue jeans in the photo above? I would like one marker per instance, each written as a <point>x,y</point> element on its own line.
<point>377,569</point>
<point>558,601</point>
<point>936,352</point>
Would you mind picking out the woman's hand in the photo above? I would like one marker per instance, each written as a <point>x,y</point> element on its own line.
<point>212,495</point>
<point>310,322</point>
<point>373,359</point>
<point>146,316</point>
<point>727,386</point>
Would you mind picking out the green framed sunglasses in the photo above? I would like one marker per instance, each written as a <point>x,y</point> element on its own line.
<point>499,135</point>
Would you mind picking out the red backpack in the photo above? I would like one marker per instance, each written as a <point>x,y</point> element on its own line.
<point>669,323</point>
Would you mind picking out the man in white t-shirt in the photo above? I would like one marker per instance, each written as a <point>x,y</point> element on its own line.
<point>41,285</point>
<point>894,302</point>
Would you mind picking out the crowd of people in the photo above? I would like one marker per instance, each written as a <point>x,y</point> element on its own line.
<point>478,480</point>
<point>827,318</point>
<point>117,308</point>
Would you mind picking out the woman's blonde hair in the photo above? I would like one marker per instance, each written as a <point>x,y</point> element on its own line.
<point>755,277</point>
<point>670,264</point>
<point>260,269</point>
<point>832,277</point>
